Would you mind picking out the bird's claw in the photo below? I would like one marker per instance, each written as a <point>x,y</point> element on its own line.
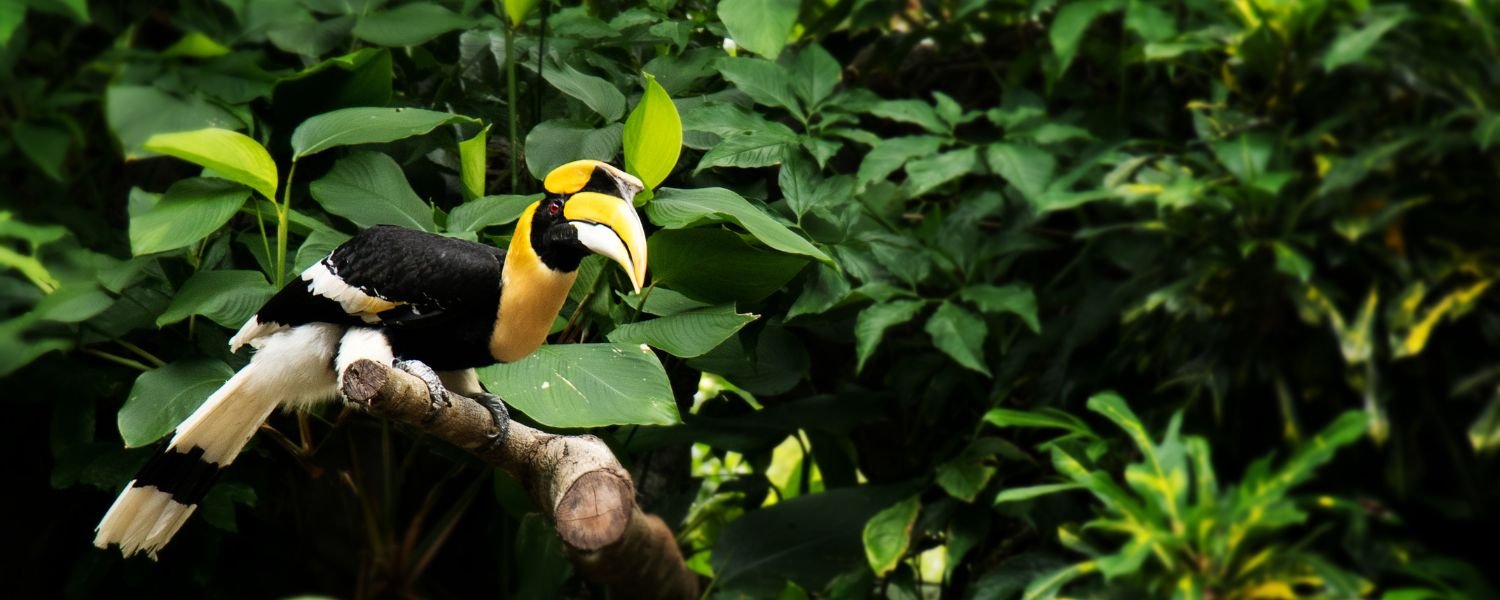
<point>437,394</point>
<point>499,414</point>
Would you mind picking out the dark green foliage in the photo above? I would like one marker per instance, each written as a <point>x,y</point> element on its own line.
<point>906,248</point>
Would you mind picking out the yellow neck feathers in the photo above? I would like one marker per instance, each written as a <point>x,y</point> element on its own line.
<point>531,294</point>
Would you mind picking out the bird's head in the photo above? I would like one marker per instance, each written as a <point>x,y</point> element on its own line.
<point>588,209</point>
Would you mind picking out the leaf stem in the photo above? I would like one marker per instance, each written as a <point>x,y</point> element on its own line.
<point>141,352</point>
<point>510,106</point>
<point>282,211</point>
<point>119,360</point>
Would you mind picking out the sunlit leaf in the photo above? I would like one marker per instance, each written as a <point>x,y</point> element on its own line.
<point>586,385</point>
<point>653,135</point>
<point>231,154</point>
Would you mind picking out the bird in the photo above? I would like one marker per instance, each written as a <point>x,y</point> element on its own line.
<point>430,305</point>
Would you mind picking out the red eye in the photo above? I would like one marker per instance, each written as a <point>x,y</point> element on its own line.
<point>554,208</point>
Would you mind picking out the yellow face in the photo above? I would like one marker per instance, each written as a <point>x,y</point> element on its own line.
<point>596,203</point>
<point>577,176</point>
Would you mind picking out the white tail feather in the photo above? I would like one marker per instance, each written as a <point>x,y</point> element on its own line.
<point>291,367</point>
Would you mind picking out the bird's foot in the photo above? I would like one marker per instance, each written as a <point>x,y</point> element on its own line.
<point>499,414</point>
<point>437,394</point>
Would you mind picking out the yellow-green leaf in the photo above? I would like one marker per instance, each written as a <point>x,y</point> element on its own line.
<point>653,135</point>
<point>231,154</point>
<point>888,534</point>
<point>471,162</point>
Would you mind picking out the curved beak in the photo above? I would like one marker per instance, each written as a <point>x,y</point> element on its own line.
<point>608,226</point>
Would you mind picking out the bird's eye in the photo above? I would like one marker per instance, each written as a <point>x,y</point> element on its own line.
<point>554,208</point>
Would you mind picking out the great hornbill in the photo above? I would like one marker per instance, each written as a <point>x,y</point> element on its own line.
<point>430,305</point>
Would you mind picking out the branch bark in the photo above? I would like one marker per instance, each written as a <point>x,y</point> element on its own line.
<point>574,478</point>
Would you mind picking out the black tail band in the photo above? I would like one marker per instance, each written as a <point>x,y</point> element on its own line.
<point>183,475</point>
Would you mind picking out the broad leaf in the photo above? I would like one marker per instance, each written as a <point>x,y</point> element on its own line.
<point>674,209</point>
<point>915,112</point>
<point>764,81</point>
<point>760,26</point>
<point>875,320</point>
<point>586,385</point>
<point>231,154</point>
<point>229,298</point>
<point>408,24</point>
<point>516,10</point>
<point>552,144</point>
<point>893,153</point>
<point>814,74</point>
<point>964,477</point>
<point>366,125</point>
<point>162,398</point>
<point>489,211</point>
<point>1029,169</point>
<point>595,92</point>
<point>748,150</point>
<point>692,261</point>
<point>926,174</point>
<point>189,211</point>
<point>1353,44</point>
<point>369,189</point>
<point>473,162</point>
<point>887,535</point>
<point>959,334</point>
<point>1068,27</point>
<point>1016,299</point>
<point>686,334</point>
<point>653,135</point>
<point>135,113</point>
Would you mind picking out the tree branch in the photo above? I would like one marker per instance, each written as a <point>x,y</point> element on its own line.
<point>574,478</point>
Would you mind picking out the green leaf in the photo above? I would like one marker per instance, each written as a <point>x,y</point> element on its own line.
<point>748,150</point>
<point>489,211</point>
<point>552,144</point>
<point>1353,44</point>
<point>959,334</point>
<point>189,211</point>
<point>73,303</point>
<point>893,153</point>
<point>516,10</point>
<point>195,45</point>
<point>692,261</point>
<point>472,162</point>
<point>815,73</point>
<point>1047,418</point>
<point>231,154</point>
<point>45,144</point>
<point>686,334</point>
<point>229,298</point>
<point>408,24</point>
<point>824,289</point>
<point>760,26</point>
<point>1016,299</point>
<point>662,301</point>
<point>887,535</point>
<point>809,539</point>
<point>1029,169</point>
<point>1484,432</point>
<point>875,320</point>
<point>586,385</point>
<point>915,112</point>
<point>12,14</point>
<point>162,398</point>
<point>136,113</point>
<point>674,209</point>
<point>369,189</point>
<point>964,477</point>
<point>1048,586</point>
<point>595,92</point>
<point>926,174</point>
<point>366,125</point>
<point>1068,27</point>
<point>1018,494</point>
<point>653,135</point>
<point>765,82</point>
<point>1245,155</point>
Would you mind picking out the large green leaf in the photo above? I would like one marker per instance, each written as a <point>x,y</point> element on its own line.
<point>586,385</point>
<point>473,162</point>
<point>516,10</point>
<point>717,266</point>
<point>553,143</point>
<point>760,26</point>
<point>927,173</point>
<point>887,535</point>
<point>1016,299</point>
<point>653,135</point>
<point>1072,20</point>
<point>229,298</point>
<point>408,24</point>
<point>748,150</point>
<point>875,320</point>
<point>892,153</point>
<point>595,92</point>
<point>1353,44</point>
<point>916,112</point>
<point>136,113</point>
<point>1029,169</point>
<point>189,211</point>
<point>686,334</point>
<point>809,539</point>
<point>960,334</point>
<point>231,154</point>
<point>675,209</point>
<point>815,73</point>
<point>366,125</point>
<point>489,211</point>
<point>764,81</point>
<point>162,398</point>
<point>369,189</point>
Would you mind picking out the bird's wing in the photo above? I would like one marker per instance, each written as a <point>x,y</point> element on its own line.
<point>391,276</point>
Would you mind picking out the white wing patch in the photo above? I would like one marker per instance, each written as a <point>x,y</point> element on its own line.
<point>324,282</point>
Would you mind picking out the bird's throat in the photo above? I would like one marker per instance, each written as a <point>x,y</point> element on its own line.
<point>531,294</point>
